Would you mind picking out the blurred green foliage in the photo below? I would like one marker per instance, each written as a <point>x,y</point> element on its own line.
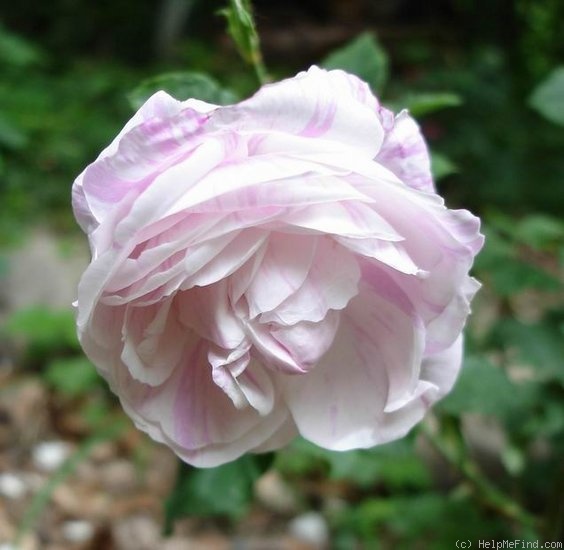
<point>548,97</point>
<point>364,57</point>
<point>50,125</point>
<point>492,110</point>
<point>182,85</point>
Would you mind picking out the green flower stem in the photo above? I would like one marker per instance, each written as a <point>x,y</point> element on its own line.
<point>448,441</point>
<point>242,28</point>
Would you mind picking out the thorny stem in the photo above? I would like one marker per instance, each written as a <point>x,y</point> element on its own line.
<point>448,441</point>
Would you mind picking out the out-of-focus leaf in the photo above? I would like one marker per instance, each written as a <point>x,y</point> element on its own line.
<point>513,459</point>
<point>11,136</point>
<point>422,104</point>
<point>393,464</point>
<point>511,276</point>
<point>44,328</point>
<point>72,376</point>
<point>499,261</point>
<point>363,57</point>
<point>484,388</point>
<point>424,520</point>
<point>541,345</point>
<point>548,97</point>
<point>182,86</point>
<point>539,231</point>
<point>16,51</point>
<point>496,250</point>
<point>442,166</point>
<point>225,490</point>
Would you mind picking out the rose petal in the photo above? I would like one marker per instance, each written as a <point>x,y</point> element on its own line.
<point>153,342</point>
<point>282,271</point>
<point>307,342</point>
<point>373,363</point>
<point>330,284</point>
<point>404,151</point>
<point>207,311</point>
<point>178,413</point>
<point>347,219</point>
<point>317,104</point>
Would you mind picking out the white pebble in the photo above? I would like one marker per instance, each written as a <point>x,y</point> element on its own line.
<point>49,455</point>
<point>311,528</point>
<point>11,486</point>
<point>78,531</point>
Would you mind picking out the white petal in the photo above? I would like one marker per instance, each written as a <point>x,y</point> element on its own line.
<point>207,311</point>
<point>347,219</point>
<point>317,104</point>
<point>153,342</point>
<point>374,362</point>
<point>282,271</point>
<point>332,281</point>
<point>404,151</point>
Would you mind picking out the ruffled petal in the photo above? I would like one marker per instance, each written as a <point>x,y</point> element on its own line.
<point>350,399</point>
<point>442,369</point>
<point>331,105</point>
<point>330,284</point>
<point>178,413</point>
<point>153,342</point>
<point>347,219</point>
<point>207,311</point>
<point>148,143</point>
<point>308,342</point>
<point>404,151</point>
<point>283,270</point>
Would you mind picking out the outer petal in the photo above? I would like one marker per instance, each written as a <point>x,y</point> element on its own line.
<point>178,413</point>
<point>316,104</point>
<point>371,368</point>
<point>404,151</point>
<point>141,149</point>
<point>153,342</point>
<point>441,369</point>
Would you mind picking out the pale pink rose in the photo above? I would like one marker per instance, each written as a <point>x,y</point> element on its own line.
<point>275,267</point>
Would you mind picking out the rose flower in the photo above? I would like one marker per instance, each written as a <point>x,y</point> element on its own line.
<point>277,267</point>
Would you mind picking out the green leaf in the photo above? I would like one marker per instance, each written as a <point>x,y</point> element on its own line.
<point>225,490</point>
<point>514,459</point>
<point>16,51</point>
<point>44,328</point>
<point>442,166</point>
<point>182,86</point>
<point>72,376</point>
<point>484,388</point>
<point>422,104</point>
<point>548,97</point>
<point>393,464</point>
<point>512,276</point>
<point>363,57</point>
<point>539,231</point>
<point>11,136</point>
<point>540,345</point>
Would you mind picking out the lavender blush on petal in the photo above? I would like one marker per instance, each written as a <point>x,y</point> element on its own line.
<point>277,267</point>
